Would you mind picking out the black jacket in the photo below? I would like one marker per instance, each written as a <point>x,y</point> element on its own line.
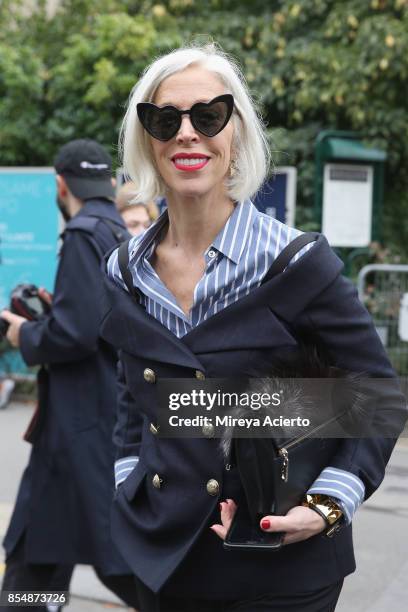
<point>163,532</point>
<point>65,495</point>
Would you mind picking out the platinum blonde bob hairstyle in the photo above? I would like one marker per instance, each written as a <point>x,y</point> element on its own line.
<point>251,153</point>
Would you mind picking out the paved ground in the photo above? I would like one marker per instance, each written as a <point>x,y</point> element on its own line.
<point>87,593</point>
<point>381,544</point>
<point>380,532</point>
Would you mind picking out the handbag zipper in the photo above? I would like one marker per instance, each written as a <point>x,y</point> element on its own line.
<point>283,450</point>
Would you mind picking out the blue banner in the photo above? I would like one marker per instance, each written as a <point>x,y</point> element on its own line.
<point>29,225</point>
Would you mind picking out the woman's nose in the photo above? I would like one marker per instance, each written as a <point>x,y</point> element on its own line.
<point>186,131</point>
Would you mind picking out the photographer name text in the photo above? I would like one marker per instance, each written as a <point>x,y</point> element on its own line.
<point>241,422</point>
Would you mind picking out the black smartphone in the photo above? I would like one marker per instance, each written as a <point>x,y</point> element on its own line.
<point>244,534</point>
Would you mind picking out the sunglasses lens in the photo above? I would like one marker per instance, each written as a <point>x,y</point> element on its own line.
<point>207,118</point>
<point>210,119</point>
<point>162,123</point>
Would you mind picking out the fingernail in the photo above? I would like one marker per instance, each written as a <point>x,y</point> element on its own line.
<point>265,524</point>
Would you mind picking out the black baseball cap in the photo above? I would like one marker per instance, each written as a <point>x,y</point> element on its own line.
<point>87,168</point>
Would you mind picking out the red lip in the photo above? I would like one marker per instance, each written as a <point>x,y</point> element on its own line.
<point>179,165</point>
<point>196,155</point>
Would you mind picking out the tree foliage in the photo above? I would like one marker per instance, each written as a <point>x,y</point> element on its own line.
<point>310,64</point>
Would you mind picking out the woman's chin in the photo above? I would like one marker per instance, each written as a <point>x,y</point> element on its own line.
<point>194,189</point>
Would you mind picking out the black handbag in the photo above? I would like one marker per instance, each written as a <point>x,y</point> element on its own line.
<point>276,473</point>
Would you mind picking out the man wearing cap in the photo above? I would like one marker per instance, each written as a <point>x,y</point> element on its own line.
<point>61,516</point>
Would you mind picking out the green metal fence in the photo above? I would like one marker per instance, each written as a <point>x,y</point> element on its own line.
<point>380,288</point>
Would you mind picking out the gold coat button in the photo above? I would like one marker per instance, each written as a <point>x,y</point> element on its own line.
<point>157,481</point>
<point>213,488</point>
<point>208,430</point>
<point>200,375</point>
<point>149,375</point>
<point>154,429</point>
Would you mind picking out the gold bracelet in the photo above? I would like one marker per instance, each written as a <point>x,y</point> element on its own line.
<point>328,509</point>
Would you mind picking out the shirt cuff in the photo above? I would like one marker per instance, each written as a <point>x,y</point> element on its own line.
<point>345,487</point>
<point>123,467</point>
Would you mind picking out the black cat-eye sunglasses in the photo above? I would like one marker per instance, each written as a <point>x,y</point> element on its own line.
<point>208,118</point>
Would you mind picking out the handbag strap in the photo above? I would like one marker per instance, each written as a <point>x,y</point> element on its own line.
<point>278,266</point>
<point>123,260</point>
<point>283,259</point>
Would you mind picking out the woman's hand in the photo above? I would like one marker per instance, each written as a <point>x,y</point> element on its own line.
<point>299,524</point>
<point>227,509</point>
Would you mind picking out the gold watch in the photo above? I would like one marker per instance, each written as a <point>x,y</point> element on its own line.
<point>328,509</point>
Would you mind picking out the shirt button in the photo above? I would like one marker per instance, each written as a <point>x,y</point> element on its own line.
<point>149,375</point>
<point>213,487</point>
<point>212,254</point>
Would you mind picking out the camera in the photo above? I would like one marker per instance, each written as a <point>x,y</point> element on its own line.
<point>26,302</point>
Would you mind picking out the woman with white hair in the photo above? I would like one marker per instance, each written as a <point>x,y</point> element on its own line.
<point>190,303</point>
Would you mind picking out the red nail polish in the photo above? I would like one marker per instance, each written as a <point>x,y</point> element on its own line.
<point>265,523</point>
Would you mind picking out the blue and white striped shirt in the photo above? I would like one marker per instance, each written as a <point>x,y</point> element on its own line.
<point>236,263</point>
<point>233,269</point>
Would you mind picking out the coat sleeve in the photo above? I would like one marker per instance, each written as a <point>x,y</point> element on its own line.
<point>127,434</point>
<point>71,331</point>
<point>342,326</point>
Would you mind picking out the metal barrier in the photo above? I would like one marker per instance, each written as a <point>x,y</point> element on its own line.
<point>380,289</point>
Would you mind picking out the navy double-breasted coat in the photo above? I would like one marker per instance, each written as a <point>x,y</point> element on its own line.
<point>163,531</point>
<point>65,495</point>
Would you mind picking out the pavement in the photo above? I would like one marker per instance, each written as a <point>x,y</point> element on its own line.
<point>380,532</point>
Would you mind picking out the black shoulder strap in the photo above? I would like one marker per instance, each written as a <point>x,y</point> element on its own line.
<point>88,224</point>
<point>123,260</point>
<point>119,232</point>
<point>285,256</point>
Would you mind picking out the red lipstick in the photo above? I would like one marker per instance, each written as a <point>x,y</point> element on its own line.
<point>190,162</point>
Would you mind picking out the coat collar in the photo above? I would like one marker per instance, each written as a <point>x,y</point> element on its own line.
<point>128,326</point>
<point>102,208</point>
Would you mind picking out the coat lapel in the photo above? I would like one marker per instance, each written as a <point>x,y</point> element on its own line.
<point>127,326</point>
<point>245,324</point>
<point>261,319</point>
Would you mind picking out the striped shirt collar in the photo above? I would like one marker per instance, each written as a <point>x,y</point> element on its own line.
<point>230,241</point>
